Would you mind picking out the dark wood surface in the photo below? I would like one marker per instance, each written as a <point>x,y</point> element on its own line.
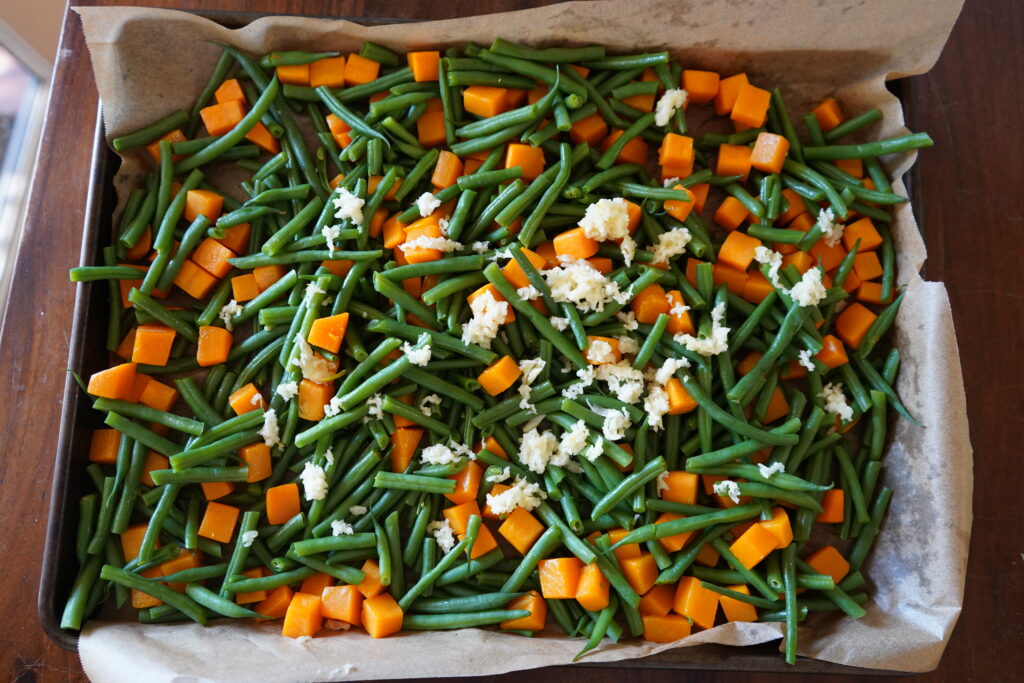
<point>971,210</point>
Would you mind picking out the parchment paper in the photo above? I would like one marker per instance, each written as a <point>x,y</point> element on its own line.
<point>149,62</point>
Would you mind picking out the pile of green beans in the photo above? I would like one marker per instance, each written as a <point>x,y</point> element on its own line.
<point>397,309</point>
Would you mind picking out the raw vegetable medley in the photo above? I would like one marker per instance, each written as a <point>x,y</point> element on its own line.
<point>466,356</point>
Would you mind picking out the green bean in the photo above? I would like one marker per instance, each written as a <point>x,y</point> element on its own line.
<point>649,472</point>
<point>437,622</point>
<point>413,482</point>
<point>472,603</point>
<point>609,156</point>
<point>903,143</point>
<point>743,448</point>
<point>542,73</point>
<point>547,55</point>
<point>880,327</point>
<point>197,475</point>
<point>490,78</point>
<point>152,132</point>
<point>744,389</point>
<point>434,575</point>
<point>233,136</point>
<point>650,532</point>
<point>163,508</point>
<point>526,114</point>
<point>159,591</point>
<point>600,629</point>
<point>141,434</point>
<point>532,223</point>
<point>94,273</point>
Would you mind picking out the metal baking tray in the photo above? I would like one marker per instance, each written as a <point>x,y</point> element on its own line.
<point>78,420</point>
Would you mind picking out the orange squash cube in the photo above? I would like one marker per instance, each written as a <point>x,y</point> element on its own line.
<point>679,320</point>
<point>243,288</point>
<point>751,106</point>
<point>865,231</point>
<point>521,529</point>
<point>153,344</point>
<point>779,527</point>
<point>381,615</point>
<point>267,275</point>
<point>676,150</point>
<point>115,382</point>
<point>828,114</point>
<point>329,71</point>
<point>833,504</point>
<point>728,91</point>
<point>830,562</point>
<point>313,396</point>
<point>700,86</point>
<point>236,238</point>
<point>195,281</point>
<point>303,617</point>
<point>575,243</point>
<point>282,503</point>
<point>203,203</point>
<point>633,152</point>
<point>559,577</point>
<point>404,443</point>
<point>641,572</point>
<point>769,152</point>
<point>174,136</point>
<point>658,600</point>
<point>221,118</point>
<point>500,375</point>
<point>527,157</point>
<point>730,213</point>
<point>681,487</point>
<point>328,333</point>
<point>214,345</point>
<point>252,596</point>
<point>158,396</point>
<point>212,490</point>
<point>424,65</point>
<point>853,323</point>
<point>754,545</point>
<point>696,602</point>
<point>246,399</point>
<point>592,591</point>
<point>343,603</point>
<point>219,522</point>
<point>679,209</point>
<point>154,461</point>
<point>359,69</point>
<point>430,129</point>
<point>293,74</point>
<point>212,256</point>
<point>733,160</point>
<point>590,129</point>
<point>276,604</point>
<point>485,101</point>
<point>666,628</point>
<point>649,303</point>
<point>736,610</point>
<point>679,400</point>
<point>104,445</point>
<point>535,605</point>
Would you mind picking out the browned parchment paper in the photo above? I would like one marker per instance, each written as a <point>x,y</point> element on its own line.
<point>149,62</point>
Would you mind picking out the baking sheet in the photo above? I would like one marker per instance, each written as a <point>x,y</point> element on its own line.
<point>811,50</point>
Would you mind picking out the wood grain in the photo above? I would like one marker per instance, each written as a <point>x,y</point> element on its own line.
<point>971,211</point>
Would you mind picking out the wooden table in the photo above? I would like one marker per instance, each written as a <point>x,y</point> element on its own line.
<point>971,211</point>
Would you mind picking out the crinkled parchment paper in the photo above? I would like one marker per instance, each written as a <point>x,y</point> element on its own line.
<point>149,62</point>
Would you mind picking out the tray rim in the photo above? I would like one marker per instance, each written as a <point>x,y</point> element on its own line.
<point>762,658</point>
